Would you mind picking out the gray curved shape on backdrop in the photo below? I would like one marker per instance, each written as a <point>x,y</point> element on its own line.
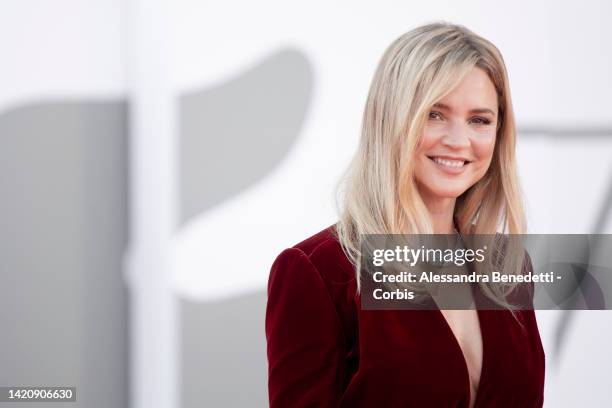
<point>234,134</point>
<point>63,231</point>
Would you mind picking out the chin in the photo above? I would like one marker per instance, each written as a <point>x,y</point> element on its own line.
<point>448,191</point>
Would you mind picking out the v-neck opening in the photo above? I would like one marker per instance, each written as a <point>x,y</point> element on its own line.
<point>462,354</point>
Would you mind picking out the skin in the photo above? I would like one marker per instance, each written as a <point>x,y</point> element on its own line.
<point>462,125</point>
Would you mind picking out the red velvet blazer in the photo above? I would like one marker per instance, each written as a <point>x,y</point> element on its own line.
<point>324,351</point>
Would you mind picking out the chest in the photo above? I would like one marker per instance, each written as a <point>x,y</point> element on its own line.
<point>464,326</point>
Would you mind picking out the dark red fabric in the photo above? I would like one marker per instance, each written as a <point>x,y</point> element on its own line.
<point>324,351</point>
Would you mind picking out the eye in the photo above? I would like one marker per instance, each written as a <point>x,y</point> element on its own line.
<point>435,115</point>
<point>480,121</point>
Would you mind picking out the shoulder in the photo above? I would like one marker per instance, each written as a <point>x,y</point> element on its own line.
<point>324,240</point>
<point>316,270</point>
<point>324,251</point>
<point>311,243</point>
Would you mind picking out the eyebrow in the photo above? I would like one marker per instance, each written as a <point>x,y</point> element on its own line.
<point>472,111</point>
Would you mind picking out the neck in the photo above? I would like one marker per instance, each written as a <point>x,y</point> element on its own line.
<point>441,210</point>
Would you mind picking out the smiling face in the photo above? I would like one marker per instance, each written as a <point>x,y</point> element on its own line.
<point>458,139</point>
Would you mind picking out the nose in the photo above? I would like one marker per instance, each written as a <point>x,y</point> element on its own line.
<point>456,137</point>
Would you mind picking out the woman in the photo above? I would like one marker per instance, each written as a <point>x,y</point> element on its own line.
<point>437,155</point>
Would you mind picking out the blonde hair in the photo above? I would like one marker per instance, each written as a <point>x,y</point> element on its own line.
<point>378,194</point>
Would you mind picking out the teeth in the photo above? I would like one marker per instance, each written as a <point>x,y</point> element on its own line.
<point>449,163</point>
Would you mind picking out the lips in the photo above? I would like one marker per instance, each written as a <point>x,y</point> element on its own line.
<point>452,164</point>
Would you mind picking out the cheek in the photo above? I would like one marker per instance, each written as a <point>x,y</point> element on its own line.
<point>429,139</point>
<point>428,143</point>
<point>483,148</point>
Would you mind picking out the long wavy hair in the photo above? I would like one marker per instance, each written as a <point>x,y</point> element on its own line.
<point>378,194</point>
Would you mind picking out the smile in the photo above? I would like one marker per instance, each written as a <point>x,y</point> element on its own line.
<point>450,164</point>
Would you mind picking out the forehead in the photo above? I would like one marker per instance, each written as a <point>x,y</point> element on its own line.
<point>476,90</point>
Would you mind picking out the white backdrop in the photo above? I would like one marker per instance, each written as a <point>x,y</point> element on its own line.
<point>559,61</point>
